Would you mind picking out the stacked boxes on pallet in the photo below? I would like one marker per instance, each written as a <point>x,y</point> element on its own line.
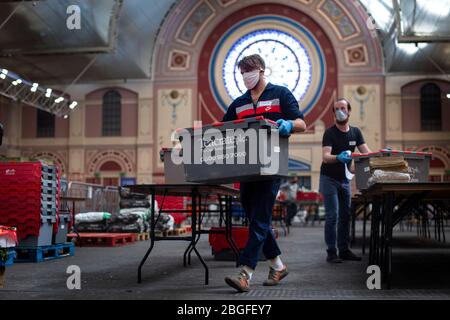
<point>29,200</point>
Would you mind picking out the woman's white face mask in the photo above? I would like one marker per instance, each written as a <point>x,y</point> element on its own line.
<point>251,79</point>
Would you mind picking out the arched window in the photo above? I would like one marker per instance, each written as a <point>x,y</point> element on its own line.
<point>430,107</point>
<point>45,124</point>
<point>111,113</point>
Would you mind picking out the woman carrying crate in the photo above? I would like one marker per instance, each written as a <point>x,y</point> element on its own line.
<point>276,103</point>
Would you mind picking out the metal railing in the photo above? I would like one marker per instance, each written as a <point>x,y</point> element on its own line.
<point>97,197</point>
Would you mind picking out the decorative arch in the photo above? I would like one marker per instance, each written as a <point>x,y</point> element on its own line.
<point>278,16</point>
<point>440,82</point>
<point>98,94</point>
<point>102,157</point>
<point>193,28</point>
<point>438,152</point>
<point>55,157</point>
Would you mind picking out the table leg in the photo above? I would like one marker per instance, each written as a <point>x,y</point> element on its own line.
<point>229,229</point>
<point>389,211</point>
<point>441,215</point>
<point>186,253</point>
<point>152,237</point>
<point>353,216</point>
<point>199,224</point>
<point>220,211</point>
<point>364,228</point>
<point>74,229</point>
<point>374,232</point>
<point>194,235</point>
<point>382,242</point>
<point>192,249</point>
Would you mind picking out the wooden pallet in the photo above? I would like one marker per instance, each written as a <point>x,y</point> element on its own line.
<point>41,254</point>
<point>144,236</point>
<point>103,239</point>
<point>174,232</point>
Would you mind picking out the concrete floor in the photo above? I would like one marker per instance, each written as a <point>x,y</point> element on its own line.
<point>420,271</point>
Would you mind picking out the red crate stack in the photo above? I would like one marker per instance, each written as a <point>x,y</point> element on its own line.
<point>28,190</point>
<point>219,242</point>
<point>308,196</point>
<point>170,202</point>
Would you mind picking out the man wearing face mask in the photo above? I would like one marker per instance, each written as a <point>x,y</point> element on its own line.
<point>276,103</point>
<point>338,143</point>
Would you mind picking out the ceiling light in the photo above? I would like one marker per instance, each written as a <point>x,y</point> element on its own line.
<point>16,82</point>
<point>422,45</point>
<point>3,74</point>
<point>60,99</point>
<point>34,87</point>
<point>73,105</point>
<point>408,48</point>
<point>448,95</point>
<point>48,93</point>
<point>66,116</point>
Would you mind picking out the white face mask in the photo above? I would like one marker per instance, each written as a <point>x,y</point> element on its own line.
<point>341,115</point>
<point>251,79</point>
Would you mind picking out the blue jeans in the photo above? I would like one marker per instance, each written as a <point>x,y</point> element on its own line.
<point>257,199</point>
<point>337,201</point>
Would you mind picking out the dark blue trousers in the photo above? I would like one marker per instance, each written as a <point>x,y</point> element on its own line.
<point>257,199</point>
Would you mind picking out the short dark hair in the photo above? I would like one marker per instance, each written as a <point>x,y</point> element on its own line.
<point>252,62</point>
<point>349,106</point>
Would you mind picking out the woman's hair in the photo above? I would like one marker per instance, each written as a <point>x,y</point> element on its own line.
<point>252,62</point>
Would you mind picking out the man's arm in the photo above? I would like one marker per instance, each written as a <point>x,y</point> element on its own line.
<point>364,148</point>
<point>327,157</point>
<point>291,109</point>
<point>361,143</point>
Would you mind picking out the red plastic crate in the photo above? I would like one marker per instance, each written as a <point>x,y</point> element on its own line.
<point>219,242</point>
<point>19,169</point>
<point>21,195</point>
<point>178,217</point>
<point>170,202</point>
<point>307,196</point>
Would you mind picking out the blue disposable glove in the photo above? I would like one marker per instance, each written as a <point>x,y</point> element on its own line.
<point>344,157</point>
<point>285,127</point>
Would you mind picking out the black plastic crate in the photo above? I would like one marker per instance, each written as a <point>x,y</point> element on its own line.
<point>125,193</point>
<point>49,204</point>
<point>49,176</point>
<point>50,184</point>
<point>49,212</point>
<point>45,233</point>
<point>49,190</point>
<point>63,228</point>
<point>173,173</point>
<point>133,203</point>
<point>418,165</point>
<point>49,169</point>
<point>248,149</point>
<point>48,197</point>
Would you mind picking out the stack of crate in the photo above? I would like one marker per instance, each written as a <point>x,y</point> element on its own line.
<point>29,200</point>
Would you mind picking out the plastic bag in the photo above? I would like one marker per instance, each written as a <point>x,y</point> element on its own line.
<point>165,222</point>
<point>92,217</point>
<point>380,176</point>
<point>8,237</point>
